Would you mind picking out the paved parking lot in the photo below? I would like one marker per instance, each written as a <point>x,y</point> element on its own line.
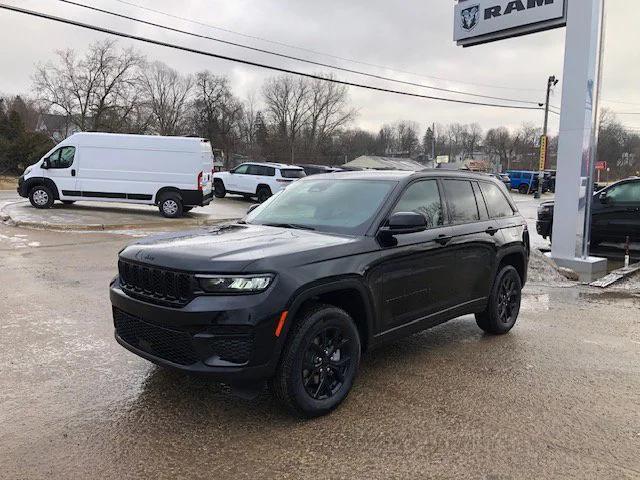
<point>557,398</point>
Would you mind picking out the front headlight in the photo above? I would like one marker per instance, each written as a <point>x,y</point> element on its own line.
<point>27,171</point>
<point>235,283</point>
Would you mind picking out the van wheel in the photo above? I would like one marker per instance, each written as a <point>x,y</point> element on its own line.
<point>263,194</point>
<point>504,303</point>
<point>319,362</point>
<point>41,196</point>
<point>218,189</point>
<point>171,205</point>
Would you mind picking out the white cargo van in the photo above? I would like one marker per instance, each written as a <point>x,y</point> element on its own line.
<point>174,173</point>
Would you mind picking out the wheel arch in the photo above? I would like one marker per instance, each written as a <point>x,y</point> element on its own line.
<point>164,190</point>
<point>42,181</point>
<point>263,185</point>
<point>517,258</point>
<point>348,294</point>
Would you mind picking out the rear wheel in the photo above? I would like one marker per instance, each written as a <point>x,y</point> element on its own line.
<point>319,362</point>
<point>218,189</point>
<point>170,205</point>
<point>263,194</point>
<point>504,303</point>
<point>41,196</point>
<point>524,189</point>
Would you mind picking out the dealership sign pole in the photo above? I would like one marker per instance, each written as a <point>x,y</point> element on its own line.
<point>482,21</point>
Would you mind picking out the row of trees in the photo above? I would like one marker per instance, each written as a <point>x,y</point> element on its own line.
<point>290,119</point>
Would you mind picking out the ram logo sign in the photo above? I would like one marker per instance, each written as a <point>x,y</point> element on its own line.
<point>483,21</point>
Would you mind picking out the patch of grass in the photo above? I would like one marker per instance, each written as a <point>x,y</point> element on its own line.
<point>8,182</point>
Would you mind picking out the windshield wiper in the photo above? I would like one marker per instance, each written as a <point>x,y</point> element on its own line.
<point>289,225</point>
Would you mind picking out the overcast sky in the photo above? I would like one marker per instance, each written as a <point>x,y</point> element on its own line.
<point>408,35</point>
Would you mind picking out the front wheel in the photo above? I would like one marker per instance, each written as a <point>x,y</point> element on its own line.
<point>218,189</point>
<point>319,362</point>
<point>263,194</point>
<point>41,196</point>
<point>504,303</point>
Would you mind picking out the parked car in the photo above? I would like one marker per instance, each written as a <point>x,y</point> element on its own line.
<point>615,213</point>
<point>323,271</point>
<point>255,179</point>
<point>316,169</point>
<point>525,181</point>
<point>504,178</point>
<point>173,173</point>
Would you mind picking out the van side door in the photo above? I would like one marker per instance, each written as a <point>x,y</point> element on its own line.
<point>474,242</point>
<point>62,169</point>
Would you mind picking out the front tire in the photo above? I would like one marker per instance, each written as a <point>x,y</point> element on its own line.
<point>319,362</point>
<point>170,205</point>
<point>41,196</point>
<point>263,194</point>
<point>218,189</point>
<point>504,303</point>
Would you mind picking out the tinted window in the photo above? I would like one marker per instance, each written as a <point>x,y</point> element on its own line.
<point>424,198</point>
<point>461,201</point>
<point>268,171</point>
<point>62,158</point>
<point>340,206</point>
<point>241,169</point>
<point>497,203</point>
<point>625,193</point>
<point>292,173</point>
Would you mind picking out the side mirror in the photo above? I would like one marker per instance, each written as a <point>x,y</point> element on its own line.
<point>252,207</point>
<point>45,164</point>
<point>603,197</point>
<point>402,223</point>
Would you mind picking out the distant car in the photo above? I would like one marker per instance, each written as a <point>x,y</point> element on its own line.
<point>525,181</point>
<point>317,169</point>
<point>615,213</point>
<point>256,179</point>
<point>504,178</point>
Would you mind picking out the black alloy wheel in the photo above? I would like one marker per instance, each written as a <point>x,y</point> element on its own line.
<point>508,300</point>
<point>504,303</point>
<point>326,361</point>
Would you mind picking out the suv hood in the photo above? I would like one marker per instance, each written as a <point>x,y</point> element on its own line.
<point>233,248</point>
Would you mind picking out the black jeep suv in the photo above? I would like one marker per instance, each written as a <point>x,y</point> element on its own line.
<point>330,267</point>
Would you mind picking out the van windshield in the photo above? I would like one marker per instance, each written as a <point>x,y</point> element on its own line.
<point>337,206</point>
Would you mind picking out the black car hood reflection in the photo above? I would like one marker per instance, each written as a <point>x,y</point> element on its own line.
<point>232,248</point>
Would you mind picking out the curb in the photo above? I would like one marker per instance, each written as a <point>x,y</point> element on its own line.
<point>99,227</point>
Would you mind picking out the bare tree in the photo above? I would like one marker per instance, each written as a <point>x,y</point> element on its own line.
<point>407,138</point>
<point>216,112</point>
<point>288,107</point>
<point>249,125</point>
<point>166,93</point>
<point>97,92</point>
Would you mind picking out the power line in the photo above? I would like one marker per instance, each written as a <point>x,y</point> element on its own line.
<point>251,63</point>
<point>315,52</point>
<point>379,77</point>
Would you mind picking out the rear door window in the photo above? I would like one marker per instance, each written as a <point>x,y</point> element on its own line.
<point>254,170</point>
<point>292,173</point>
<point>497,203</point>
<point>424,198</point>
<point>461,201</point>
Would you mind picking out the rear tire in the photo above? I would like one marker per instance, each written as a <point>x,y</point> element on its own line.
<point>263,194</point>
<point>319,362</point>
<point>218,189</point>
<point>170,205</point>
<point>41,196</point>
<point>504,303</point>
<point>523,189</point>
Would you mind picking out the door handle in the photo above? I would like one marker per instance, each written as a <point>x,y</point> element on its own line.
<point>443,239</point>
<point>491,231</point>
<point>73,172</point>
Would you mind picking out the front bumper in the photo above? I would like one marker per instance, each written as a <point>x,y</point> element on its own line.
<point>22,191</point>
<point>228,338</point>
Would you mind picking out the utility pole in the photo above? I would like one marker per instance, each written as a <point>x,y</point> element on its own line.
<point>552,82</point>
<point>433,143</point>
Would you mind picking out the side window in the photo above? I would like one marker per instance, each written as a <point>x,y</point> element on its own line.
<point>497,203</point>
<point>422,197</point>
<point>242,169</point>
<point>62,158</point>
<point>625,193</point>
<point>254,170</point>
<point>269,172</point>
<point>461,201</point>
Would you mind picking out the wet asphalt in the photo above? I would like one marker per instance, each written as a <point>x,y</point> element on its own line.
<point>559,397</point>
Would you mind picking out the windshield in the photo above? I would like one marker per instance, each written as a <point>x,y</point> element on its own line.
<point>331,205</point>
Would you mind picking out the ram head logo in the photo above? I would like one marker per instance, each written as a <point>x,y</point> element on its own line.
<point>470,17</point>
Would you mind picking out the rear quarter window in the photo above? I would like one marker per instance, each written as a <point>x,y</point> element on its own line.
<point>292,173</point>
<point>497,203</point>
